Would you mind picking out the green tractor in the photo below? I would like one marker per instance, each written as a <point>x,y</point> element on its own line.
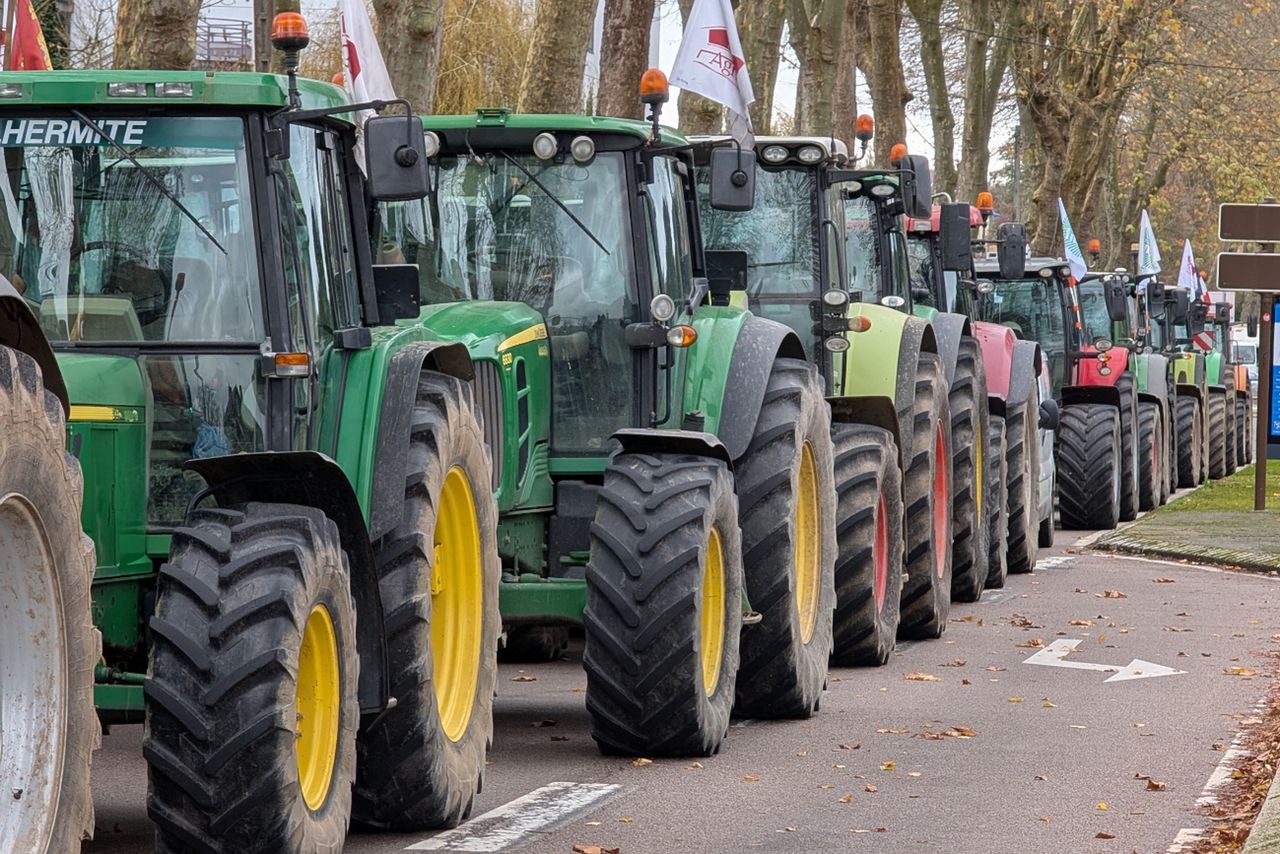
<point>1174,336</point>
<point>662,458</point>
<point>826,255</point>
<point>1230,398</point>
<point>296,552</point>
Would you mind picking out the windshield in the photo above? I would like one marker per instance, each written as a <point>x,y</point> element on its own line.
<point>1246,354</point>
<point>778,234</point>
<point>862,248</point>
<point>105,255</point>
<point>1093,313</point>
<point>1032,308</point>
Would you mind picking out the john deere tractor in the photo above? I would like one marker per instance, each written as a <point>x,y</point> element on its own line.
<point>662,459</point>
<point>825,254</point>
<point>1181,320</point>
<point>940,250</point>
<point>296,553</point>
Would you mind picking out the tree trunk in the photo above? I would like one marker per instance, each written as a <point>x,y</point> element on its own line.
<point>927,14</point>
<point>889,93</point>
<point>699,114</point>
<point>760,28</point>
<point>985,68</point>
<point>410,33</point>
<point>845,108</point>
<point>557,55</point>
<point>624,56</point>
<point>156,34</point>
<point>816,38</point>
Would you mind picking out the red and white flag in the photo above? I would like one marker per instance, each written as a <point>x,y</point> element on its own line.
<point>364,73</point>
<point>30,52</point>
<point>712,63</point>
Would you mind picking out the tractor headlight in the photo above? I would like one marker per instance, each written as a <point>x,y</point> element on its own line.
<point>662,308</point>
<point>835,298</point>
<point>774,153</point>
<point>431,143</point>
<point>545,146</point>
<point>810,154</point>
<point>883,191</point>
<point>583,148</point>
<point>836,345</point>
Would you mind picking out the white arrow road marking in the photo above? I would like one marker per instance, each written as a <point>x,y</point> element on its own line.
<point>1055,655</point>
<point>514,822</point>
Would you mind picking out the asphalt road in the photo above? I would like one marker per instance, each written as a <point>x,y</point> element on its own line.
<point>1058,760</point>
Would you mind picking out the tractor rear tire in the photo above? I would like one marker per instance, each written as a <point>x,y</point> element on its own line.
<point>1189,426</point>
<point>664,606</point>
<point>869,544</point>
<point>970,458</point>
<point>251,701</point>
<point>1229,431</point>
<point>534,644</point>
<point>1022,461</point>
<point>1150,464</point>
<point>1129,450</point>
<point>786,509</point>
<point>1089,466</point>
<point>48,644</point>
<point>1217,436</point>
<point>997,501</point>
<point>926,594</point>
<point>1243,428</point>
<point>422,760</point>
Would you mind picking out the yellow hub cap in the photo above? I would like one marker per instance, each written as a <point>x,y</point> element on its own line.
<point>808,554</point>
<point>979,441</point>
<point>457,604</point>
<point>317,707</point>
<point>711,641</point>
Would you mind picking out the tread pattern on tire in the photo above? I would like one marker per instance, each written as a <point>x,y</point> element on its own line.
<point>1022,461</point>
<point>1149,461</point>
<point>998,505</point>
<point>645,689</point>
<point>1243,428</point>
<point>231,604</point>
<point>1217,435</point>
<point>1129,487</point>
<point>1189,441</point>
<point>970,544</point>
<point>866,469</point>
<point>1087,451</point>
<point>1229,405</point>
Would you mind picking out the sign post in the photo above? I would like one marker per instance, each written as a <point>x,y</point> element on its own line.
<point>1263,427</point>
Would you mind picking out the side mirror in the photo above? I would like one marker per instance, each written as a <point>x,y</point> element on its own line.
<point>954,241</point>
<point>1011,250</point>
<point>1049,414</point>
<point>917,187</point>
<point>727,272</point>
<point>1154,297</point>
<point>396,286</point>
<point>1180,301</point>
<point>733,179</point>
<point>1196,317</point>
<point>395,158</point>
<point>1222,313</point>
<point>1251,326</point>
<point>1113,291</point>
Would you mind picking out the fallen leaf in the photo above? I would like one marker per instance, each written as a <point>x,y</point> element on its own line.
<point>888,766</point>
<point>595,849</point>
<point>1102,805</point>
<point>845,799</point>
<point>1022,622</point>
<point>1156,786</point>
<point>1237,774</point>
<point>1160,579</point>
<point>836,765</point>
<point>965,682</point>
<point>1044,818</point>
<point>802,754</point>
<point>1176,629</point>
<point>1015,699</point>
<point>850,746</point>
<point>894,730</point>
<point>1081,622</point>
<point>1077,726</point>
<point>1048,705</point>
<point>627,819</point>
<point>955,662</point>
<point>825,786</point>
<point>960,732</point>
<point>1217,745</point>
<point>594,823</point>
<point>751,778</point>
<point>545,723</point>
<point>995,669</point>
<point>1246,672</point>
<point>1041,777</point>
<point>695,765</point>
<point>915,773</point>
<point>789,829</point>
<point>870,788</point>
<point>640,762</point>
<point>1114,594</point>
<point>1034,643</point>
<point>1081,590</point>
<point>520,677</point>
<point>1102,834</point>
<point>1138,775</point>
<point>923,677</point>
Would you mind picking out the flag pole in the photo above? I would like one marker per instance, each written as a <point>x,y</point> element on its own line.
<point>10,24</point>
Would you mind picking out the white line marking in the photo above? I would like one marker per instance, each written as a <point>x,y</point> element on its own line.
<point>1053,562</point>
<point>990,597</point>
<point>1055,655</point>
<point>1185,837</point>
<point>512,822</point>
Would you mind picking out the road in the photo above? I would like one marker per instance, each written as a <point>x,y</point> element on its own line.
<point>1059,759</point>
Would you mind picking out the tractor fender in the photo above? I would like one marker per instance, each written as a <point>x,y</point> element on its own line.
<point>874,410</point>
<point>20,330</point>
<point>312,479</point>
<point>1213,368</point>
<point>1191,391</point>
<point>1024,371</point>
<point>998,343</point>
<point>759,343</point>
<point>1077,394</point>
<point>948,329</point>
<point>1152,372</point>
<point>639,440</point>
<point>1189,369</point>
<point>386,497</point>
<point>1091,368</point>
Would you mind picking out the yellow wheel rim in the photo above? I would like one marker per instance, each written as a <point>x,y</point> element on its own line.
<point>457,604</point>
<point>711,641</point>
<point>808,571</point>
<point>317,707</point>
<point>977,471</point>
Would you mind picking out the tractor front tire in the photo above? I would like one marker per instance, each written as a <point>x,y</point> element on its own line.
<point>1150,463</point>
<point>786,508</point>
<point>1189,427</point>
<point>1089,466</point>
<point>1022,458</point>
<point>1129,448</point>
<point>48,644</point>
<point>1217,435</point>
<point>926,488</point>
<point>422,760</point>
<point>1243,431</point>
<point>869,544</point>
<point>250,735</point>
<point>664,606</point>
<point>970,459</point>
<point>997,501</point>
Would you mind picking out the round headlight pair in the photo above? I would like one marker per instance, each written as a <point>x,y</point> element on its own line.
<point>545,147</point>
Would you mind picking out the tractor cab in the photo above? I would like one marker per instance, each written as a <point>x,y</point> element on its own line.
<point>1038,306</point>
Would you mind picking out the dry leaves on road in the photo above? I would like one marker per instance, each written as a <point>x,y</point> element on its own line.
<point>1102,806</point>
<point>1160,579</point>
<point>922,677</point>
<point>595,849</point>
<point>1034,643</point>
<point>1246,672</point>
<point>1113,594</point>
<point>751,778</point>
<point>871,788</point>
<point>1156,786</point>
<point>1102,834</point>
<point>640,762</point>
<point>848,746</point>
<point>845,799</point>
<point>955,662</point>
<point>995,669</point>
<point>520,677</point>
<point>1023,623</point>
<point>1081,622</point>
<point>1015,699</point>
<point>894,730</point>
<point>888,766</point>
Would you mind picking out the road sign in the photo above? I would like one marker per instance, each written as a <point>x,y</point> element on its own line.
<point>1257,223</point>
<point>1055,655</point>
<point>1248,271</point>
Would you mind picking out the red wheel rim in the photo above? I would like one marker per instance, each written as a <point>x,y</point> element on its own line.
<point>880,552</point>
<point>941,503</point>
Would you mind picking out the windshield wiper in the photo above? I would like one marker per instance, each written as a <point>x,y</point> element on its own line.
<point>552,196</point>
<point>154,181</point>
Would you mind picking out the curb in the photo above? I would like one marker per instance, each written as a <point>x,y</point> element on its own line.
<point>1264,838</point>
<point>1199,554</point>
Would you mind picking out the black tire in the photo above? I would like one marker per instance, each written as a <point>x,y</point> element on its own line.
<point>869,544</point>
<point>1229,433</point>
<point>997,500</point>
<point>1129,470</point>
<point>232,603</point>
<point>1088,466</point>
<point>1022,461</point>
<point>46,566</point>
<point>784,656</point>
<point>1045,536</point>
<point>926,488</point>
<point>970,458</point>
<point>652,557</point>
<point>1217,435</point>
<point>1150,463</point>
<point>422,761</point>
<point>1243,428</point>
<point>1189,426</point>
<point>534,644</point>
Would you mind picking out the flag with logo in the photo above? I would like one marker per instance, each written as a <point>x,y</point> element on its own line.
<point>1071,245</point>
<point>364,73</point>
<point>29,50</point>
<point>1189,275</point>
<point>712,63</point>
<point>1148,251</point>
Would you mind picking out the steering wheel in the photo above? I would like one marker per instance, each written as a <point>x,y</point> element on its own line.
<point>126,248</point>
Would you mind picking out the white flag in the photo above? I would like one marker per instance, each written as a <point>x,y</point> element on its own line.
<point>1148,251</point>
<point>1188,275</point>
<point>364,73</point>
<point>712,63</point>
<point>1071,245</point>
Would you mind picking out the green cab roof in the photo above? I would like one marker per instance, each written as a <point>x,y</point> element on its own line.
<point>504,118</point>
<point>208,88</point>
